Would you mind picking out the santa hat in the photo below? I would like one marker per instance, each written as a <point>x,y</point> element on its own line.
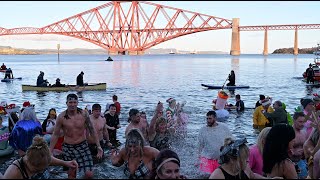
<point>26,104</point>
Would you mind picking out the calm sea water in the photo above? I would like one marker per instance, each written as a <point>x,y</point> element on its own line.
<point>141,81</point>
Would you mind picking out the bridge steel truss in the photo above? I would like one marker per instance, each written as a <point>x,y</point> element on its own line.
<point>280,27</point>
<point>267,28</point>
<point>119,28</point>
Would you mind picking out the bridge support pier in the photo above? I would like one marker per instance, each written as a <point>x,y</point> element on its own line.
<point>295,48</point>
<point>265,48</point>
<point>235,41</point>
<point>116,52</point>
<point>135,52</point>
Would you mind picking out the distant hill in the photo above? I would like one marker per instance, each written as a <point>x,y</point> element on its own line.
<point>290,51</point>
<point>7,50</point>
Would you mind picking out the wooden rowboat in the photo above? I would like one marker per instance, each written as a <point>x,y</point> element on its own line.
<point>89,87</point>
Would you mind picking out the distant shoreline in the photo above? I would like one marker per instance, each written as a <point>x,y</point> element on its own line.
<point>7,50</point>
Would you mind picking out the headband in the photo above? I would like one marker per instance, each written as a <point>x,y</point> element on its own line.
<point>167,160</point>
<point>72,99</point>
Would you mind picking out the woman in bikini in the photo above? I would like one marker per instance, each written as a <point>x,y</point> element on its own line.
<point>137,158</point>
<point>160,135</point>
<point>34,164</point>
<point>233,159</point>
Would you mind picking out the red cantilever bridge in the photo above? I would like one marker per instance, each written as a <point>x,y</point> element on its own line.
<point>126,27</point>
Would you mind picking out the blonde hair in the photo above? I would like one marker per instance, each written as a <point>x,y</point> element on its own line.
<point>38,153</point>
<point>135,137</point>
<point>243,153</point>
<point>159,121</point>
<point>262,137</point>
<point>243,156</point>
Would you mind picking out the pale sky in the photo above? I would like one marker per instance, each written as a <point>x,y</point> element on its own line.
<point>17,14</point>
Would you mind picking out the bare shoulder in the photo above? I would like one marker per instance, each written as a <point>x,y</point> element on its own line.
<point>103,119</point>
<point>61,116</point>
<point>151,151</point>
<point>217,174</point>
<point>13,172</point>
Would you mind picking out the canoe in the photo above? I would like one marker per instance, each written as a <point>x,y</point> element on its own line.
<point>89,87</point>
<point>225,87</point>
<point>9,80</point>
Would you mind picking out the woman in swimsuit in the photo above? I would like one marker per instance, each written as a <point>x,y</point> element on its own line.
<point>34,164</point>
<point>159,133</point>
<point>233,160</point>
<point>168,165</point>
<point>137,158</point>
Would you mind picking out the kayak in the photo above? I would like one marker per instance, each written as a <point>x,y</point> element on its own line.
<point>9,80</point>
<point>225,87</point>
<point>90,87</point>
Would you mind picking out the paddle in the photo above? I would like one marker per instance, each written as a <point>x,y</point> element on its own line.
<point>225,82</point>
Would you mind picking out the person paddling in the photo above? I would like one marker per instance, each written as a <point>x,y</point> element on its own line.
<point>232,79</point>
<point>8,74</point>
<point>80,79</point>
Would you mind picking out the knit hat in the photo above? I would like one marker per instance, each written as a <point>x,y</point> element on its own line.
<point>305,102</point>
<point>265,102</point>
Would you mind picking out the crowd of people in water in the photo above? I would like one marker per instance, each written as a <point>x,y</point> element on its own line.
<point>287,147</point>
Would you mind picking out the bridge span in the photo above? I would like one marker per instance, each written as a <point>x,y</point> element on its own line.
<point>126,27</point>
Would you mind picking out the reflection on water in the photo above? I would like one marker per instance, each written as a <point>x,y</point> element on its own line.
<point>141,81</point>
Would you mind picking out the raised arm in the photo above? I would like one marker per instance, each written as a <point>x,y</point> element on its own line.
<point>309,147</point>
<point>157,113</point>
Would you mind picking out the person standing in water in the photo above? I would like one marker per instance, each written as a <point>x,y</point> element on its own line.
<point>232,79</point>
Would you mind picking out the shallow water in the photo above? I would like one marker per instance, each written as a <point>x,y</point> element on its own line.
<point>141,81</point>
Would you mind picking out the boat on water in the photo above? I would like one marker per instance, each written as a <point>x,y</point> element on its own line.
<point>2,70</point>
<point>109,59</point>
<point>89,87</point>
<point>9,80</point>
<point>315,66</point>
<point>225,87</point>
<point>171,52</point>
<point>317,55</point>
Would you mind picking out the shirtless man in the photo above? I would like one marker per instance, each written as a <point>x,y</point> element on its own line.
<point>99,124</point>
<point>134,119</point>
<point>75,122</point>
<point>297,154</point>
